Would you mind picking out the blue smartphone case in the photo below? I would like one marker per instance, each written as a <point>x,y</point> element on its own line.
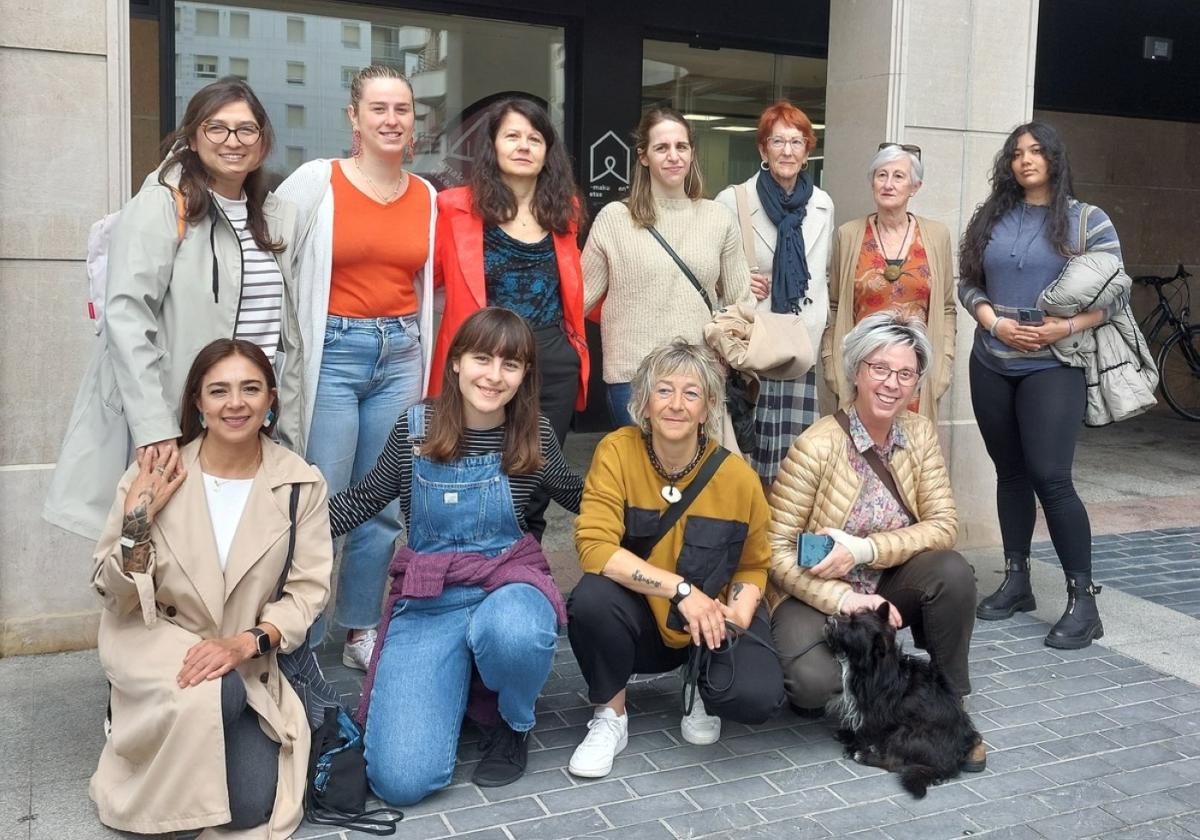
<point>812,549</point>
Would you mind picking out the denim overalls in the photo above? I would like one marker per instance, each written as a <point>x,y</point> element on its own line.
<point>424,670</point>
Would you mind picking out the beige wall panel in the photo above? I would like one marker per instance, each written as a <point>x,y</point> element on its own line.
<point>41,363</point>
<point>854,123</point>
<point>1001,57</point>
<point>59,26</point>
<point>940,195</point>
<point>937,67</point>
<point>860,38</point>
<point>53,147</point>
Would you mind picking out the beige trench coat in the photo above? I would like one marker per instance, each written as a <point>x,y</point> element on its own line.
<point>161,309</point>
<point>943,312</point>
<point>163,768</point>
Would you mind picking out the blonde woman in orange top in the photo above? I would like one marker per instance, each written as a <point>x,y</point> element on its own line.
<point>365,311</point>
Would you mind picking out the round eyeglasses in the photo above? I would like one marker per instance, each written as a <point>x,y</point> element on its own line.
<point>797,144</point>
<point>217,133</point>
<point>880,373</point>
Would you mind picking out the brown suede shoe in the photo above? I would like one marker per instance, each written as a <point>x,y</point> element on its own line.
<point>976,760</point>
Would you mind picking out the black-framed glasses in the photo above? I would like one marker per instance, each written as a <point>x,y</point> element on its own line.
<point>880,373</point>
<point>218,133</point>
<point>908,147</point>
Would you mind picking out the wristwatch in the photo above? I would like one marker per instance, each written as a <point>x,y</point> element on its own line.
<point>682,590</point>
<point>262,642</point>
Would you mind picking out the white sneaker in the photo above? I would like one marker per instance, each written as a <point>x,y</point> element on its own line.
<point>700,727</point>
<point>357,654</point>
<point>608,734</point>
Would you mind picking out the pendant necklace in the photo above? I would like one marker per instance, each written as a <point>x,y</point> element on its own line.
<point>670,492</point>
<point>891,272</point>
<point>379,193</point>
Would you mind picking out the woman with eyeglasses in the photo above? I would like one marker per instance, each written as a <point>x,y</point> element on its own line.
<point>873,480</point>
<point>196,255</point>
<point>893,260</point>
<point>792,221</point>
<point>364,268</point>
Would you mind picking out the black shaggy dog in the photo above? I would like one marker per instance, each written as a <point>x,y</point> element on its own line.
<point>897,711</point>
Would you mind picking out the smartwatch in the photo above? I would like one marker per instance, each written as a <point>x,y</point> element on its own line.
<point>682,590</point>
<point>262,642</point>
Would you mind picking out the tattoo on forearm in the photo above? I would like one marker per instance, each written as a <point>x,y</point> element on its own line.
<point>136,559</point>
<point>136,526</point>
<point>638,577</point>
<point>736,591</point>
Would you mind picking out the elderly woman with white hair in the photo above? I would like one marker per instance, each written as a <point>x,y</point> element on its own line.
<point>872,478</point>
<point>672,537</point>
<point>892,259</point>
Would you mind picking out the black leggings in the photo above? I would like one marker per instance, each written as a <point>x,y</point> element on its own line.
<point>1030,423</point>
<point>558,363</point>
<point>251,758</point>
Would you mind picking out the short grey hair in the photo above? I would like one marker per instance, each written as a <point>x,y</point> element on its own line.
<point>891,154</point>
<point>883,330</point>
<point>679,356</point>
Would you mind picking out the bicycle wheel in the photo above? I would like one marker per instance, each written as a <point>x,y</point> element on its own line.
<point>1179,372</point>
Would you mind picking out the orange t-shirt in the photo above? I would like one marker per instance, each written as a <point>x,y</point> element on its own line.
<point>377,250</point>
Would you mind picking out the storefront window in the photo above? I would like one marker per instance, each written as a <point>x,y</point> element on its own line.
<point>305,53</point>
<point>722,92</point>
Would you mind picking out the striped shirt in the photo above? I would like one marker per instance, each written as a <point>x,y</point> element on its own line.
<point>391,477</point>
<point>262,284</point>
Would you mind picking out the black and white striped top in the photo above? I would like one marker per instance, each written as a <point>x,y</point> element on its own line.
<point>262,284</point>
<point>391,477</point>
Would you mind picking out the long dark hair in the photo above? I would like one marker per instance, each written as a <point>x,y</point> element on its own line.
<point>641,198</point>
<point>193,177</point>
<point>209,355</point>
<point>555,198</point>
<point>503,333</point>
<point>1007,193</point>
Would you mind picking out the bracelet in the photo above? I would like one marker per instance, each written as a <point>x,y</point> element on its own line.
<point>1071,325</point>
<point>996,323</point>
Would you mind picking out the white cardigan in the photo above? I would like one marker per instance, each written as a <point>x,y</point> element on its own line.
<point>309,188</point>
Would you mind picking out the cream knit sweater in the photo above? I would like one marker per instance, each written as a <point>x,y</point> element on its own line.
<point>649,300</point>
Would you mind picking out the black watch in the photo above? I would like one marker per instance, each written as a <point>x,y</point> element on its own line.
<point>682,590</point>
<point>262,642</point>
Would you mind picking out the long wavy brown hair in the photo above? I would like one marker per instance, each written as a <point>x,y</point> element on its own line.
<point>503,333</point>
<point>209,355</point>
<point>556,201</point>
<point>193,177</point>
<point>641,199</point>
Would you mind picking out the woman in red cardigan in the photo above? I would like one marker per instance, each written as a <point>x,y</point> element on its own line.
<point>510,240</point>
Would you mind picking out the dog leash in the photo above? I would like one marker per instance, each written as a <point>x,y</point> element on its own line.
<point>700,658</point>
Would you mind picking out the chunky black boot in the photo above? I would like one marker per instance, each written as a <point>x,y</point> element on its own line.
<point>1080,624</point>
<point>1015,593</point>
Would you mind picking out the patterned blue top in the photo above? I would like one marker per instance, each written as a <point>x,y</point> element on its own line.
<point>522,276</point>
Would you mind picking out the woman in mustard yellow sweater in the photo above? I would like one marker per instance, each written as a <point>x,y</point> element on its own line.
<point>655,597</point>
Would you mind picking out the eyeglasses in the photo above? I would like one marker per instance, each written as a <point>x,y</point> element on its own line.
<point>798,144</point>
<point>912,150</point>
<point>880,373</point>
<point>217,133</point>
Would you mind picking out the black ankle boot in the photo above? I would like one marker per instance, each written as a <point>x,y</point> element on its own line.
<point>1080,624</point>
<point>1015,593</point>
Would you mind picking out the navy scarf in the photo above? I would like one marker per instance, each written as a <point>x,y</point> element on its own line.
<point>789,274</point>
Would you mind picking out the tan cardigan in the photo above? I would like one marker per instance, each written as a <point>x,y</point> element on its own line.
<point>816,488</point>
<point>942,327</point>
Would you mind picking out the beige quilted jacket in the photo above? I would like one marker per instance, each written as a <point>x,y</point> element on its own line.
<point>816,487</point>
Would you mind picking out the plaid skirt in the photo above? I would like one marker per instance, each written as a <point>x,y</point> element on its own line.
<point>786,407</point>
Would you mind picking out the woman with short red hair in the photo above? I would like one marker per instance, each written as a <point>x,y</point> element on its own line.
<point>792,221</point>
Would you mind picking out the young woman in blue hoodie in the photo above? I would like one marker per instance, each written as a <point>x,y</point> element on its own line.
<point>1029,405</point>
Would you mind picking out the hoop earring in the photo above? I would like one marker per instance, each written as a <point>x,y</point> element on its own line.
<point>804,166</point>
<point>764,166</point>
<point>355,143</point>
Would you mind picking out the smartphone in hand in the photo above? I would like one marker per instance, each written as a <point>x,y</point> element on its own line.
<point>811,549</point>
<point>1031,317</point>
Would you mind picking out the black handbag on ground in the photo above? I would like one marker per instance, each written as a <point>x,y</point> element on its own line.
<point>738,404</point>
<point>335,790</point>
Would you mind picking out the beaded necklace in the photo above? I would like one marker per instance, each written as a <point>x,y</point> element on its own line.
<point>669,491</point>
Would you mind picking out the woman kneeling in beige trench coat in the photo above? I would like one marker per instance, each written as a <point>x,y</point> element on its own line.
<point>206,732</point>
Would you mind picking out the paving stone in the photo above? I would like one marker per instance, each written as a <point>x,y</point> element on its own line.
<point>742,790</point>
<point>541,782</point>
<point>816,752</point>
<point>946,797</point>
<point>1067,727</point>
<point>1078,769</point>
<point>660,806</point>
<point>449,799</point>
<point>747,765</point>
<point>497,813</point>
<point>933,827</point>
<point>1142,733</point>
<point>1148,779</point>
<point>798,828</point>
<point>1079,745</point>
<point>686,755</point>
<point>1017,736</point>
<point>878,786</point>
<point>1017,758</point>
<point>712,820</point>
<point>651,830</point>
<point>1077,795</point>
<point>1150,806</point>
<point>762,741</point>
<point>1005,785</point>
<point>1137,713</point>
<point>1017,715</point>
<point>796,804</point>
<point>585,796</point>
<point>854,817</point>
<point>678,779</point>
<point>1005,812</point>
<point>1133,758</point>
<point>1082,823</point>
<point>558,827</point>
<point>812,776</point>
<point>1012,832</point>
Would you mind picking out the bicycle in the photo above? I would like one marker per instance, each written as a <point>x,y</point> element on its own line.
<point>1179,356</point>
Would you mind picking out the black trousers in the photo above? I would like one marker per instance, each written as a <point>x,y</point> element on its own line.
<point>1029,425</point>
<point>935,595</point>
<point>614,635</point>
<point>251,758</point>
<point>558,364</point>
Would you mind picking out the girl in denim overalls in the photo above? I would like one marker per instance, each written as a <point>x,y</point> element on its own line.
<point>471,592</point>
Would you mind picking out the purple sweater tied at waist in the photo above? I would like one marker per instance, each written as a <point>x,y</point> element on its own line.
<point>417,575</point>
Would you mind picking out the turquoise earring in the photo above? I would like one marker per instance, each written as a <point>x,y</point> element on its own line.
<point>203,422</point>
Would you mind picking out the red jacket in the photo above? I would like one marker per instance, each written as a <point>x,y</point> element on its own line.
<point>458,268</point>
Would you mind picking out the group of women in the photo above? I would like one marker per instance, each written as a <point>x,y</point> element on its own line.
<point>262,351</point>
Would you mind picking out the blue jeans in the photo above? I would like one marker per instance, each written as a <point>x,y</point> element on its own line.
<point>370,373</point>
<point>424,675</point>
<point>618,394</point>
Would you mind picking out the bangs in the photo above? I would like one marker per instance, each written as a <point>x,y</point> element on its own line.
<point>497,332</point>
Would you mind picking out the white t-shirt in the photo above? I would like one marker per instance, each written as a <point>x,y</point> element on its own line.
<point>226,502</point>
<point>261,302</point>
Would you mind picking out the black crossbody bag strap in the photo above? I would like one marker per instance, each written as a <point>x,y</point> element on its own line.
<point>671,515</point>
<point>293,506</point>
<point>877,466</point>
<point>687,272</point>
